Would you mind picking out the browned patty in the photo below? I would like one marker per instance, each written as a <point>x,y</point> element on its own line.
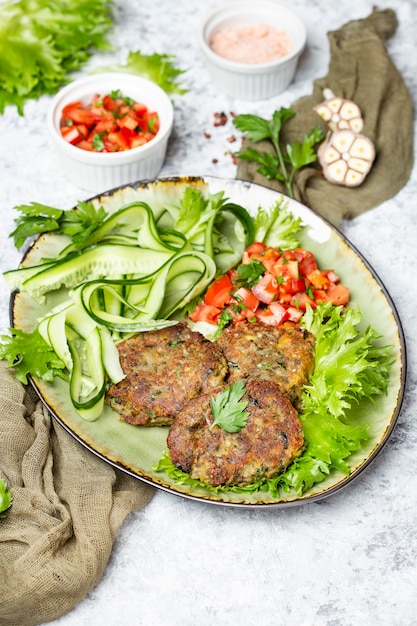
<point>284,354</point>
<point>164,370</point>
<point>271,439</point>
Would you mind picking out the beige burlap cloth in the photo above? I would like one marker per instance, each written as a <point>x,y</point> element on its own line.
<point>361,70</point>
<point>57,537</point>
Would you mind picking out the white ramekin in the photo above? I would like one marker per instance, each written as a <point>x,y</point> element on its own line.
<point>99,171</point>
<point>253,81</point>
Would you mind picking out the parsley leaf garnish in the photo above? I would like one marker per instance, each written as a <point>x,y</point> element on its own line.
<point>228,408</point>
<point>249,273</point>
<point>77,223</point>
<point>6,498</point>
<point>283,164</point>
<point>98,144</point>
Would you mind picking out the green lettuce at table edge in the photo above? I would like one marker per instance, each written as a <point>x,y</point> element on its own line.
<point>41,42</point>
<point>349,367</point>
<point>159,68</point>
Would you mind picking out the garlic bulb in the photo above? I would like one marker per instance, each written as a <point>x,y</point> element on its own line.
<point>346,157</point>
<point>340,113</point>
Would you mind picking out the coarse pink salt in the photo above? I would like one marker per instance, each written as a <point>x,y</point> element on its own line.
<point>250,44</point>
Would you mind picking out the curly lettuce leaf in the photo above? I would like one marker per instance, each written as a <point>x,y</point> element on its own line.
<point>29,354</point>
<point>41,42</point>
<point>350,367</point>
<point>277,227</point>
<point>159,68</point>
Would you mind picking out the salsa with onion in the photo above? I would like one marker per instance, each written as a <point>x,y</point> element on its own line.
<point>109,123</point>
<point>270,286</point>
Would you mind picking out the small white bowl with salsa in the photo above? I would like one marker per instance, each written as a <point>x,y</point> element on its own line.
<point>252,48</point>
<point>110,129</point>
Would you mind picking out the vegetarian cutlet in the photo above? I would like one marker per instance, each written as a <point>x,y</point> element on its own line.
<point>283,354</point>
<point>164,370</point>
<point>271,439</point>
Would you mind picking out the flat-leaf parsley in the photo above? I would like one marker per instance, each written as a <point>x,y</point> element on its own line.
<point>228,408</point>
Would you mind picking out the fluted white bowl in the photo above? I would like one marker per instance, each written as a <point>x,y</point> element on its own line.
<point>253,81</point>
<point>99,171</point>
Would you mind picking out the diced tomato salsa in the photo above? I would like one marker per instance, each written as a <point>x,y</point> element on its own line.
<point>270,286</point>
<point>110,123</point>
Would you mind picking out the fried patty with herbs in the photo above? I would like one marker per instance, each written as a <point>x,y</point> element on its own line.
<point>271,439</point>
<point>164,370</point>
<point>283,354</point>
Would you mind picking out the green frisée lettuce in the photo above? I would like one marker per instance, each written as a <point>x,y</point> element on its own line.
<point>277,227</point>
<point>160,68</point>
<point>350,366</point>
<point>42,42</point>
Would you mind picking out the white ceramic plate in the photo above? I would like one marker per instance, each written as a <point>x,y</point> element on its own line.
<point>136,450</point>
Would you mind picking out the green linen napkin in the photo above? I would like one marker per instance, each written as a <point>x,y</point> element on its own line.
<point>361,70</point>
<point>68,504</point>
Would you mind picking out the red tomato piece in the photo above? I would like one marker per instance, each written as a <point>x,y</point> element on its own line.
<point>338,295</point>
<point>266,289</point>
<point>279,312</point>
<point>205,313</point>
<point>265,316</point>
<point>284,267</point>
<point>300,301</point>
<point>218,294</point>
<point>294,315</point>
<point>71,134</point>
<point>319,279</point>
<point>293,285</point>
<point>247,298</point>
<point>306,261</point>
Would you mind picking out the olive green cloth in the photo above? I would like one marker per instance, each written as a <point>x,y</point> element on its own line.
<point>68,504</point>
<point>361,70</point>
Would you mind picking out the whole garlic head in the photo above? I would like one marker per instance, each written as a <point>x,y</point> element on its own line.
<point>346,157</point>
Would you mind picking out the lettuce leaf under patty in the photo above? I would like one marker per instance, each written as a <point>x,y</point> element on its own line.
<point>350,367</point>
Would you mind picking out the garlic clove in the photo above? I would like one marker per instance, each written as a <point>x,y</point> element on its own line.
<point>363,148</point>
<point>343,140</point>
<point>337,171</point>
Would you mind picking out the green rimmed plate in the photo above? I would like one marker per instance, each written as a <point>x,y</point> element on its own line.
<point>136,450</point>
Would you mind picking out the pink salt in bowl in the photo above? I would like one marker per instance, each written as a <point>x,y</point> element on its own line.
<point>252,49</point>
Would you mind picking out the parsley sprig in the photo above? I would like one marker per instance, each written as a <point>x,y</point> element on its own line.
<point>228,408</point>
<point>77,223</point>
<point>282,165</point>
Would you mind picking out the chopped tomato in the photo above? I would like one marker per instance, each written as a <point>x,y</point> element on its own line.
<point>266,289</point>
<point>294,315</point>
<point>71,134</point>
<point>247,298</point>
<point>279,312</point>
<point>218,294</point>
<point>306,261</point>
<point>205,313</point>
<point>290,282</point>
<point>116,122</point>
<point>319,279</point>
<point>338,295</point>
